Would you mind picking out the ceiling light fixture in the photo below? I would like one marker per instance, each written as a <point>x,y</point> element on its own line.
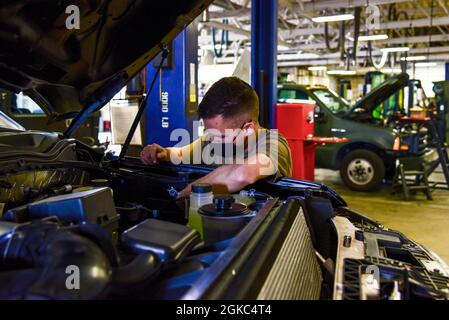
<point>414,58</point>
<point>340,17</point>
<point>395,49</point>
<point>373,37</point>
<point>425,64</point>
<point>391,70</point>
<point>317,68</point>
<point>342,72</point>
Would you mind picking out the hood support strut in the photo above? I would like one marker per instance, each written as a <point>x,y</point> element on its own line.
<point>114,86</point>
<point>142,107</point>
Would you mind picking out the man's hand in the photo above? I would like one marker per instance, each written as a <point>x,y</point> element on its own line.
<point>234,177</point>
<point>153,154</point>
<point>184,193</point>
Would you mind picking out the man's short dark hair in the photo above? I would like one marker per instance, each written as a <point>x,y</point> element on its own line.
<point>230,97</point>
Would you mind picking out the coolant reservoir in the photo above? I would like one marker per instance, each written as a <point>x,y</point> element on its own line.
<point>245,197</point>
<point>201,195</point>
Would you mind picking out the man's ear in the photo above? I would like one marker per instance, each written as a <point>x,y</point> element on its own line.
<point>249,131</point>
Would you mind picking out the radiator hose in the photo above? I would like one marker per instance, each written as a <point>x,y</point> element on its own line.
<point>41,260</point>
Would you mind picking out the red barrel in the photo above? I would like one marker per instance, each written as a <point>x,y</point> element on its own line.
<point>295,121</point>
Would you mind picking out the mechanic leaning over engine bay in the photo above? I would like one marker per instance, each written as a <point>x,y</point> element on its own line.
<point>242,151</point>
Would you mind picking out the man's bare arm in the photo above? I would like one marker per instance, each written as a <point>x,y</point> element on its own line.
<point>236,176</point>
<point>154,153</point>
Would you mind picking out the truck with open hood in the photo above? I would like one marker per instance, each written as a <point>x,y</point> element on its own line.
<point>69,209</point>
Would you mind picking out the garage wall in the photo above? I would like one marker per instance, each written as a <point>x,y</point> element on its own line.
<point>428,75</point>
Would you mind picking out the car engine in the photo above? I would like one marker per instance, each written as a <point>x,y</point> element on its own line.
<point>67,208</point>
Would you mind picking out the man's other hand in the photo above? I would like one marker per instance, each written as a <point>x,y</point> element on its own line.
<point>153,154</point>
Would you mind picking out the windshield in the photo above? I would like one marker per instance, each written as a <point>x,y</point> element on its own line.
<point>335,103</point>
<point>8,123</point>
<point>292,95</point>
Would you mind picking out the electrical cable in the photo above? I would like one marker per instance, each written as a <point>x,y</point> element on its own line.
<point>326,39</point>
<point>383,60</point>
<point>430,29</point>
<point>393,15</point>
<point>357,13</point>
<point>342,40</point>
<point>371,59</point>
<point>224,40</point>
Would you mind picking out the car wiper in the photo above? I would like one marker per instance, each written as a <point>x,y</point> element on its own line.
<point>142,107</point>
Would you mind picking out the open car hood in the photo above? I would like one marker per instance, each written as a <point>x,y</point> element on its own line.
<point>71,70</point>
<point>381,93</point>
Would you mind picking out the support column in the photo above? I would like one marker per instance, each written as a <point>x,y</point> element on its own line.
<point>174,100</point>
<point>264,57</point>
<point>446,67</point>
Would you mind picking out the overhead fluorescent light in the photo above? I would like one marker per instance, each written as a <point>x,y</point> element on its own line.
<point>391,70</point>
<point>395,49</point>
<point>342,72</point>
<point>294,56</point>
<point>209,47</point>
<point>414,58</point>
<point>281,47</point>
<point>339,17</point>
<point>372,37</point>
<point>317,68</point>
<point>425,64</point>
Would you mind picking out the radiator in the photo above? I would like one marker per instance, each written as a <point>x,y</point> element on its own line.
<point>295,274</point>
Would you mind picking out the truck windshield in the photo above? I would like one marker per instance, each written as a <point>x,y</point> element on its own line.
<point>335,103</point>
<point>292,95</point>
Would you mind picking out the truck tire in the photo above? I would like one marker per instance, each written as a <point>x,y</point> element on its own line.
<point>362,170</point>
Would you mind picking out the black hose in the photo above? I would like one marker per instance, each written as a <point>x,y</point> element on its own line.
<point>39,258</point>
<point>136,275</point>
<point>342,40</point>
<point>326,39</point>
<point>370,53</point>
<point>36,257</point>
<point>356,32</point>
<point>393,15</point>
<point>224,39</point>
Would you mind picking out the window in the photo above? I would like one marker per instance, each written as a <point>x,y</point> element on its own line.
<point>289,95</point>
<point>22,104</point>
<point>332,101</point>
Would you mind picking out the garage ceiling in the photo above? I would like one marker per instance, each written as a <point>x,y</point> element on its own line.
<point>422,25</point>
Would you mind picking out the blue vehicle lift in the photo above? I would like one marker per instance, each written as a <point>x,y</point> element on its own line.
<point>264,57</point>
<point>446,68</point>
<point>173,102</point>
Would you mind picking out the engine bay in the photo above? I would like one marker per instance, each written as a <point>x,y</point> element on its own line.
<point>119,223</point>
<point>128,214</point>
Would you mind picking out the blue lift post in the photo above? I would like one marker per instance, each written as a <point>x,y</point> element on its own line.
<point>174,99</point>
<point>446,68</point>
<point>264,57</point>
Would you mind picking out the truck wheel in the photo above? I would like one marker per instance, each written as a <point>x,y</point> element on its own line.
<point>362,170</point>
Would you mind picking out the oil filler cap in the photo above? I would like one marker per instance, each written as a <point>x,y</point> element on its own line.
<point>224,206</point>
<point>201,188</point>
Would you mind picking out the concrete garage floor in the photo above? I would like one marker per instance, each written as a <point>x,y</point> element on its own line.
<point>424,221</point>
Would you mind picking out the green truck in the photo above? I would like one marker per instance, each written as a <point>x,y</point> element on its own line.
<point>373,144</point>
